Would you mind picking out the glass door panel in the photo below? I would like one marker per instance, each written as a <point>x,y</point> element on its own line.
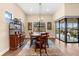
<point>72,30</point>
<point>57,29</point>
<point>62,30</point>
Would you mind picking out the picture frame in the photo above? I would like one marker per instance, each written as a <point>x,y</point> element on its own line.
<point>49,25</point>
<point>29,25</point>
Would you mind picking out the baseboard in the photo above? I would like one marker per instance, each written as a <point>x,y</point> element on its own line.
<point>4,51</point>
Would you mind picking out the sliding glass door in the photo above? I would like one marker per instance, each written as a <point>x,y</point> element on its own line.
<point>62,30</point>
<point>57,29</point>
<point>67,29</point>
<point>72,30</point>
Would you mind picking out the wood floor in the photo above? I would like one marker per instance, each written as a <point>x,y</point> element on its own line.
<point>69,49</point>
<point>61,49</point>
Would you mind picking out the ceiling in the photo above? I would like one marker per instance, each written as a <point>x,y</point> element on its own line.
<point>36,8</point>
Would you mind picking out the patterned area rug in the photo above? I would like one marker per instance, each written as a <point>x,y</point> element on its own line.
<point>51,51</point>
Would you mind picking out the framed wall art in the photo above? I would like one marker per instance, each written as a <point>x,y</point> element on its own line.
<point>29,25</point>
<point>49,25</point>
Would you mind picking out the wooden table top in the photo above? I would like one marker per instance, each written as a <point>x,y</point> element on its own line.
<point>37,33</point>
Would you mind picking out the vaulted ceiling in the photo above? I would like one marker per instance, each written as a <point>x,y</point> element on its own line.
<point>39,8</point>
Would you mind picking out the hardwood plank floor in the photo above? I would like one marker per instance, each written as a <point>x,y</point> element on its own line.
<point>59,48</point>
<point>69,49</point>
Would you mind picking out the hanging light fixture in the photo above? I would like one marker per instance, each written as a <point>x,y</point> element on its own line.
<point>40,11</point>
<point>39,15</point>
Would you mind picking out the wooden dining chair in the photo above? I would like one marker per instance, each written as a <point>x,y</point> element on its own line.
<point>47,35</point>
<point>41,43</point>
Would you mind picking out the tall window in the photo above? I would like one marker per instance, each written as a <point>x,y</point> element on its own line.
<point>39,27</point>
<point>7,16</point>
<point>72,30</point>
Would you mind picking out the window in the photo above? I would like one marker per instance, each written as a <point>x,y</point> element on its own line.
<point>7,16</point>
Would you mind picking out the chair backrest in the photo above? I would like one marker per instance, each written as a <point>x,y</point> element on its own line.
<point>38,38</point>
<point>43,37</point>
<point>45,34</point>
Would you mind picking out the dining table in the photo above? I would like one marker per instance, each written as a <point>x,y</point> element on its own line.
<point>36,34</point>
<point>43,45</point>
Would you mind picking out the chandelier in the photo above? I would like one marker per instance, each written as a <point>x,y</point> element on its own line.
<point>40,11</point>
<point>39,15</point>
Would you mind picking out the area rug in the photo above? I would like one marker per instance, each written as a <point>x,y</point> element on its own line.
<point>53,50</point>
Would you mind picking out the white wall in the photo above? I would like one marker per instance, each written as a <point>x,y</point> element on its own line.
<point>44,18</point>
<point>67,9</point>
<point>72,9</point>
<point>4,29</point>
<point>60,12</point>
